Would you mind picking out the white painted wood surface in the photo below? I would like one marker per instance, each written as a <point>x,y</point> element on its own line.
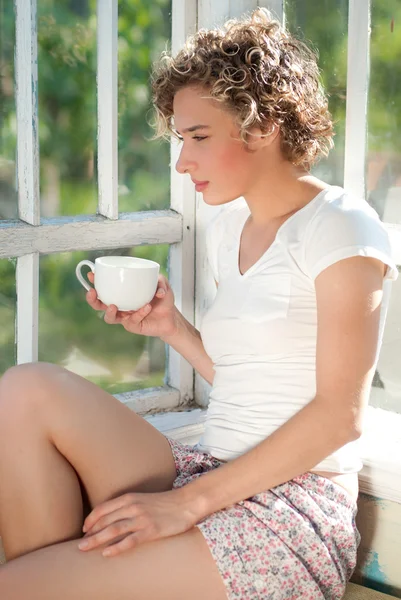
<point>275,6</point>
<point>27,322</point>
<point>186,427</point>
<point>394,232</point>
<point>90,232</point>
<point>26,78</point>
<point>184,22</point>
<point>240,7</point>
<point>357,96</point>
<point>107,82</point>
<point>180,373</point>
<point>381,452</point>
<point>212,14</point>
<point>150,400</point>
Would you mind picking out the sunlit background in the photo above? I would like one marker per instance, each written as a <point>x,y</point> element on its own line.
<point>70,333</point>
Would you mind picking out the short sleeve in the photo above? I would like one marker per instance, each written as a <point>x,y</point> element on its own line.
<point>343,229</point>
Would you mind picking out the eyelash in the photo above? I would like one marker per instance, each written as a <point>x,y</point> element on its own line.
<point>198,138</point>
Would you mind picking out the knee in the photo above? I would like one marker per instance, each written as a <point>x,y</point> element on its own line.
<point>23,386</point>
<point>24,375</point>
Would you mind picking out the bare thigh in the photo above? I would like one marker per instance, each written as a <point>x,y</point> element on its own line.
<point>112,449</point>
<point>175,568</point>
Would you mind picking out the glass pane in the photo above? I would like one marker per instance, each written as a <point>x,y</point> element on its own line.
<point>325,24</point>
<point>8,297</point>
<point>73,335</point>
<point>386,390</point>
<point>384,114</point>
<point>144,29</point>
<point>67,106</point>
<point>8,124</point>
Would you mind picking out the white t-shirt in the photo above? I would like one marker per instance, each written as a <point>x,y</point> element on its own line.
<point>261,329</point>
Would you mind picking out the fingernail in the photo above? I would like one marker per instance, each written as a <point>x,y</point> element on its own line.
<point>83,545</point>
<point>161,292</point>
<point>106,552</point>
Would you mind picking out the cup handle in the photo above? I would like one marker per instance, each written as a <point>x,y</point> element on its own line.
<point>78,273</point>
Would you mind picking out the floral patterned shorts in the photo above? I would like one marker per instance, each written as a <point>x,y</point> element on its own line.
<point>297,540</point>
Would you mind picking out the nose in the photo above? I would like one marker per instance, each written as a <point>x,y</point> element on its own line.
<point>184,163</point>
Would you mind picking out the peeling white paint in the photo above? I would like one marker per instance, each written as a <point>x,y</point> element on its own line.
<point>90,232</point>
<point>379,555</point>
<point>26,93</point>
<point>107,98</point>
<point>357,97</point>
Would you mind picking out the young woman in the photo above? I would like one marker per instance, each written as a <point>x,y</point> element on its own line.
<point>264,506</point>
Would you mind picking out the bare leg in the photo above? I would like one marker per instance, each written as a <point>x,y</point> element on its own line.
<point>58,431</point>
<point>175,568</point>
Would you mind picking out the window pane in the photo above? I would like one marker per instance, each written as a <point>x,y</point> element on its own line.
<point>325,24</point>
<point>144,29</point>
<point>73,335</point>
<point>67,106</point>
<point>384,114</point>
<point>386,390</point>
<point>8,124</point>
<point>7,314</point>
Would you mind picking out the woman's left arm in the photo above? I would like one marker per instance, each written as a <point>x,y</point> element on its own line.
<point>349,295</point>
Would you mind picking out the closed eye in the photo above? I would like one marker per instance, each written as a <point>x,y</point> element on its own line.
<point>198,138</point>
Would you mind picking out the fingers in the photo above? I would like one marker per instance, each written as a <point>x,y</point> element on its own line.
<point>130,541</point>
<point>106,535</point>
<point>113,316</point>
<point>135,317</point>
<point>121,514</point>
<point>110,316</point>
<point>163,284</point>
<point>93,301</point>
<point>106,508</point>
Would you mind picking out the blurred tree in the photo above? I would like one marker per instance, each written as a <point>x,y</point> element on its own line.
<point>67,137</point>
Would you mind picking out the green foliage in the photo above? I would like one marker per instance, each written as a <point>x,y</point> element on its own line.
<point>67,136</point>
<point>385,79</point>
<point>7,314</point>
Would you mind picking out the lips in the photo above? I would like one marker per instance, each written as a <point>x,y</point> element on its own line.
<point>201,187</point>
<point>196,182</point>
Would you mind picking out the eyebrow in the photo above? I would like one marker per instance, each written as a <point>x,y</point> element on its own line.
<point>193,128</point>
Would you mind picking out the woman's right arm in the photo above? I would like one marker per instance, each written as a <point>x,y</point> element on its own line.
<point>187,341</point>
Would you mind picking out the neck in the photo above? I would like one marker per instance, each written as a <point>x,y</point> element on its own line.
<point>283,190</point>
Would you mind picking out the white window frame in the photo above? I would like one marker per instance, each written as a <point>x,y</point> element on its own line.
<point>30,235</point>
<point>182,226</point>
<point>381,443</point>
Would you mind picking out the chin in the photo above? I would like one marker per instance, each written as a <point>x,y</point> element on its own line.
<point>215,200</point>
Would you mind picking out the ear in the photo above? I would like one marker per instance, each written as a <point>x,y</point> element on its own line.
<point>257,139</point>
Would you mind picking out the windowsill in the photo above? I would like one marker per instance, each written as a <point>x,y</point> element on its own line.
<point>381,454</point>
<point>380,446</point>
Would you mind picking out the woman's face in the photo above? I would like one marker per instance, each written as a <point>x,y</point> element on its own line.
<point>212,154</point>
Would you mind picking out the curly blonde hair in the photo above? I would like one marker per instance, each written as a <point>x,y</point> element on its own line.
<point>261,74</point>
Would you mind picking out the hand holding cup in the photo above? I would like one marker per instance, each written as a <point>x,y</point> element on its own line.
<point>155,318</point>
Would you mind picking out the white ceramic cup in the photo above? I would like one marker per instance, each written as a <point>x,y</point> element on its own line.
<point>125,281</point>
